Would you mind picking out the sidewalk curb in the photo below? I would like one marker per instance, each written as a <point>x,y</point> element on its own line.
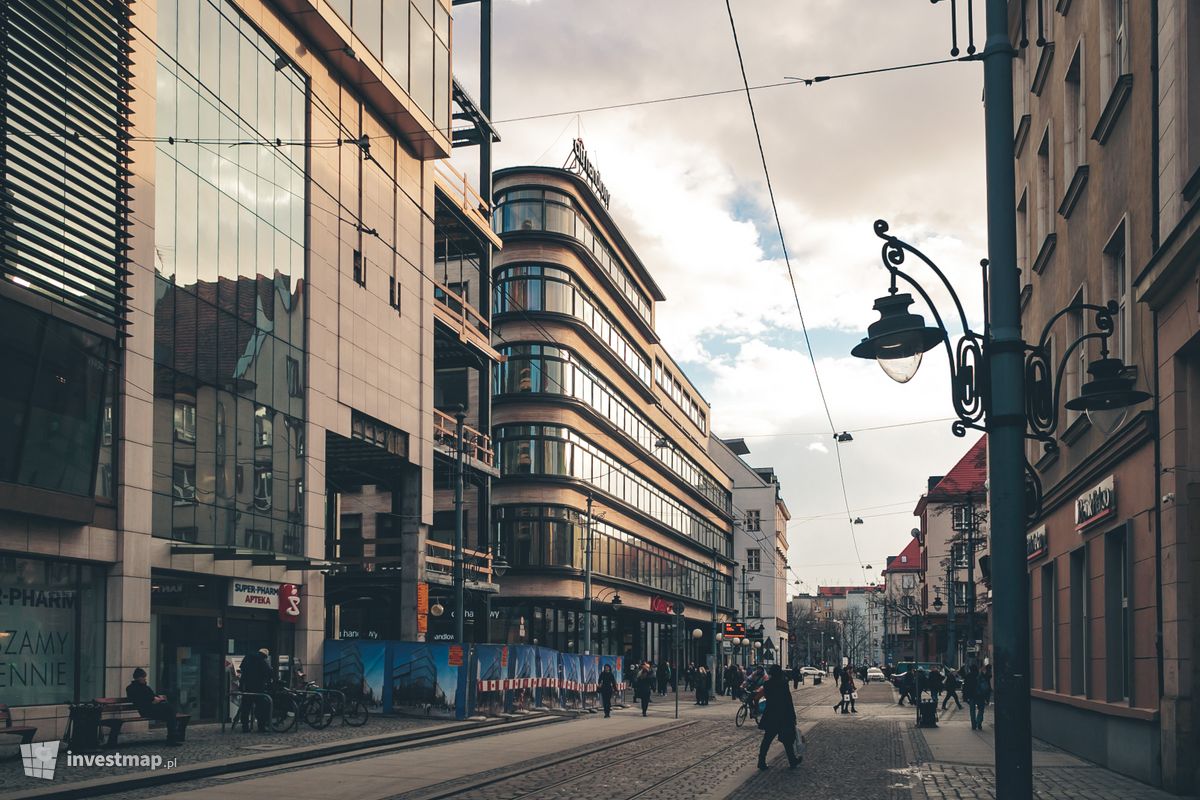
<point>456,731</point>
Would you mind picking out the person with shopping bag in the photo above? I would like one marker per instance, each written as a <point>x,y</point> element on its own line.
<point>849,693</point>
<point>778,720</point>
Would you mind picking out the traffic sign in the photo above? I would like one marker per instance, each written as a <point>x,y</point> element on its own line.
<point>678,608</point>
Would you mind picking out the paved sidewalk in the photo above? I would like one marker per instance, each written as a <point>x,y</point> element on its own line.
<point>952,760</point>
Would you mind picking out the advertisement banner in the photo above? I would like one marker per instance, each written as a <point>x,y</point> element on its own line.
<point>491,679</point>
<point>423,681</point>
<point>571,680</point>
<point>590,673</point>
<point>523,673</point>
<point>359,669</point>
<point>548,678</point>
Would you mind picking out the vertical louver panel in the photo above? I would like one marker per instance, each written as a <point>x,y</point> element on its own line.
<point>64,151</point>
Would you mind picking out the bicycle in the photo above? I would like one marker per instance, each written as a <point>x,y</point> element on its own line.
<point>285,709</point>
<point>748,709</point>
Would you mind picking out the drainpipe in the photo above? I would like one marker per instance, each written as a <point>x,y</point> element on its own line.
<point>1155,240</point>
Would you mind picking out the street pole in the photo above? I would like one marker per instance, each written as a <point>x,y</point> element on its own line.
<point>951,637</point>
<point>1006,423</point>
<point>971,575</point>
<point>715,653</point>
<point>587,580</point>
<point>460,611</point>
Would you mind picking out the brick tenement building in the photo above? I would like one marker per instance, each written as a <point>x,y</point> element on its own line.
<point>1106,179</point>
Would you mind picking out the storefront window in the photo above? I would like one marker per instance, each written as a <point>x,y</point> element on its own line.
<point>51,631</point>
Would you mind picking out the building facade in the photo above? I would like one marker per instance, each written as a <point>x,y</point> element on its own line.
<point>953,537</point>
<point>601,440</point>
<point>760,545</point>
<point>1087,99</point>
<point>900,603</point>
<point>261,348</point>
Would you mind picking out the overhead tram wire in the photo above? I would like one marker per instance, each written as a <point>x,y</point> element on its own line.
<point>791,277</point>
<point>890,426</point>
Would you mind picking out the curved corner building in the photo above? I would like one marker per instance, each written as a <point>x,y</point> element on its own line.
<point>589,405</point>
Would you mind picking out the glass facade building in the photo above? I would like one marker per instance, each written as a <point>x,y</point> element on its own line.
<point>230,263</point>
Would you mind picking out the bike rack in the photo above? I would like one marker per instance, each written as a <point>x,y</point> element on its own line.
<point>244,695</point>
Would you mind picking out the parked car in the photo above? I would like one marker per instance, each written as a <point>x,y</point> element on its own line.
<point>875,674</point>
<point>809,672</point>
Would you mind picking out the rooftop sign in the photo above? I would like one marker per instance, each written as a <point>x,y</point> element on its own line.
<point>579,163</point>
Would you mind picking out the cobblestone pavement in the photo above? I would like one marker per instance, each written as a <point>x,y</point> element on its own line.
<point>204,743</point>
<point>1051,783</point>
<point>664,766</point>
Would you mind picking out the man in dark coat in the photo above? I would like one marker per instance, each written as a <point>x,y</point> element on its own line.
<point>608,685</point>
<point>643,686</point>
<point>153,706</point>
<point>256,675</point>
<point>779,718</point>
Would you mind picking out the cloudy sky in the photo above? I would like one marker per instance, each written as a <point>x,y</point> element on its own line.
<point>688,190</point>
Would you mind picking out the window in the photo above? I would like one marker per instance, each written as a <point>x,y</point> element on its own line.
<point>393,293</point>
<point>1118,634</point>
<point>450,389</point>
<point>753,560</point>
<point>754,520</point>
<point>262,487</point>
<point>1074,116</point>
<point>1114,58</point>
<point>960,594</point>
<point>1191,94</point>
<point>1077,366</point>
<point>185,421</point>
<point>1023,237</point>
<point>960,556</point>
<point>360,269</point>
<point>294,381</point>
<point>754,604</point>
<point>1045,190</point>
<point>1116,287</point>
<point>262,426</point>
<point>183,484</point>
<point>1080,645</point>
<point>1049,627</point>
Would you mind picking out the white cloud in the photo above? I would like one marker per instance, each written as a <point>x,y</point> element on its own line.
<point>818,447</point>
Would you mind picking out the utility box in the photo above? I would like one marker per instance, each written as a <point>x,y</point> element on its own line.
<point>927,714</point>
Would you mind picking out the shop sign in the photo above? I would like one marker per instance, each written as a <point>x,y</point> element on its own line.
<point>1035,543</point>
<point>1099,503</point>
<point>456,655</point>
<point>660,605</point>
<point>253,594</point>
<point>422,598</point>
<point>579,163</point>
<point>289,603</point>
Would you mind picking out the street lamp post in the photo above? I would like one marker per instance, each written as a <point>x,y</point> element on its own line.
<point>1004,386</point>
<point>587,580</point>
<point>460,611</point>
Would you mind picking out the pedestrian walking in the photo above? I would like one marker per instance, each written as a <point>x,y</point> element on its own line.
<point>702,685</point>
<point>848,691</point>
<point>664,676</point>
<point>779,718</point>
<point>154,706</point>
<point>977,691</point>
<point>256,675</point>
<point>952,685</point>
<point>643,686</point>
<point>905,685</point>
<point>797,677</point>
<point>837,674</point>
<point>607,685</point>
<point>937,682</point>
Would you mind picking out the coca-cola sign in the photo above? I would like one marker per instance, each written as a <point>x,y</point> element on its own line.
<point>1098,503</point>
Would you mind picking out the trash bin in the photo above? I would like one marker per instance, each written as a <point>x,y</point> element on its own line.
<point>816,680</point>
<point>927,714</point>
<point>83,727</point>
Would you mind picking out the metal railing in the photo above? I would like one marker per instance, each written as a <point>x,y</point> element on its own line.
<point>458,189</point>
<point>476,445</point>
<point>439,560</point>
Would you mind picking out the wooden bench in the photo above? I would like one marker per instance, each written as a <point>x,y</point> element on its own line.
<point>116,711</point>
<point>26,732</point>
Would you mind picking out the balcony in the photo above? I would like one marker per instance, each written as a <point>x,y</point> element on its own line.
<point>466,321</point>
<point>477,447</point>
<point>477,566</point>
<point>468,202</point>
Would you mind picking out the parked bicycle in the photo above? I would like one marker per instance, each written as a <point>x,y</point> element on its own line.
<point>320,706</point>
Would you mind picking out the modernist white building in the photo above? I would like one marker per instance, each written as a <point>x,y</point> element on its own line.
<point>759,546</point>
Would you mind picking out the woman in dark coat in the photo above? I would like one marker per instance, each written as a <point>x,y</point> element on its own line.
<point>643,685</point>
<point>778,719</point>
<point>701,682</point>
<point>608,685</point>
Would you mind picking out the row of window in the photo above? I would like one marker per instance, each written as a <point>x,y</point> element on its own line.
<point>412,41</point>
<point>679,395</point>
<point>1116,635</point>
<point>549,369</point>
<point>538,288</point>
<point>554,536</point>
<point>558,450</point>
<point>549,210</point>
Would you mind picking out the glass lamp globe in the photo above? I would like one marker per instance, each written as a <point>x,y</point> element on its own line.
<point>901,369</point>
<point>1108,419</point>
